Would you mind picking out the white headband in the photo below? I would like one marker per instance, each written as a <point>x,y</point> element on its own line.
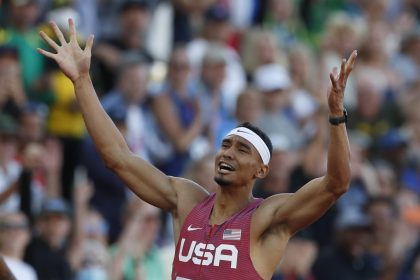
<point>254,139</point>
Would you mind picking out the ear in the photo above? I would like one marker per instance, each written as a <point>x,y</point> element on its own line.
<point>262,171</point>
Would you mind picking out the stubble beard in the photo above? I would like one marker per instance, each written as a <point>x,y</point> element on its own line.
<point>222,182</point>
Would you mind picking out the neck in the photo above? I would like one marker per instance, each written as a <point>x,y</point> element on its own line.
<point>12,253</point>
<point>229,200</point>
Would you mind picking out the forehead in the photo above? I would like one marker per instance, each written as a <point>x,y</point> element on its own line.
<point>238,140</point>
<point>15,217</point>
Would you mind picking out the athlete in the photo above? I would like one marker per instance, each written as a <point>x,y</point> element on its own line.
<point>229,234</point>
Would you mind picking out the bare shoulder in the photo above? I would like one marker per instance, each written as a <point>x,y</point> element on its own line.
<point>264,214</point>
<point>189,194</point>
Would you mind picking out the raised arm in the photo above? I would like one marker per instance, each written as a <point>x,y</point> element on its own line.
<point>309,203</point>
<point>145,180</point>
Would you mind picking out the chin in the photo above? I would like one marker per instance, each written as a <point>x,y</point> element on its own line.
<point>222,182</point>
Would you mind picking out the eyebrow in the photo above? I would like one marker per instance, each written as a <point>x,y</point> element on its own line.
<point>228,141</point>
<point>244,145</point>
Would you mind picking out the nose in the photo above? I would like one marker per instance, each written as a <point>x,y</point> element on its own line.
<point>228,153</point>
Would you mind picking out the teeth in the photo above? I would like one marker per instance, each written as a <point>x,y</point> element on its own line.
<point>226,166</point>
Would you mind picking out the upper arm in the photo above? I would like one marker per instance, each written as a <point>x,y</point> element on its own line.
<point>153,186</point>
<point>299,209</point>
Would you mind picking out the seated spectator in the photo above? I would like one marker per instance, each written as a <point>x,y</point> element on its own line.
<point>177,112</point>
<point>216,31</point>
<point>14,237</point>
<point>373,115</point>
<point>32,123</point>
<point>136,256</point>
<point>202,172</point>
<point>130,94</point>
<point>348,258</point>
<point>93,249</point>
<point>382,211</point>
<point>50,252</point>
<point>282,160</point>
<point>10,168</point>
<point>133,20</point>
<point>214,105</point>
<point>108,189</point>
<point>21,32</point>
<point>12,93</point>
<point>274,84</point>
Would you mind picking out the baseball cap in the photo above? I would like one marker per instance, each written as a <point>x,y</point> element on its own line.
<point>393,139</point>
<point>19,3</point>
<point>128,4</point>
<point>352,217</point>
<point>55,206</point>
<point>9,51</point>
<point>271,77</point>
<point>217,13</point>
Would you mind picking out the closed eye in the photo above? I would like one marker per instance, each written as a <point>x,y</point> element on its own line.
<point>243,148</point>
<point>225,144</point>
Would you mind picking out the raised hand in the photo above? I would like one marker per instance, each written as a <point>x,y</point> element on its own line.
<point>72,59</point>
<point>338,85</point>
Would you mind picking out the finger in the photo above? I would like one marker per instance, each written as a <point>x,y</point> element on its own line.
<point>49,41</point>
<point>47,54</point>
<point>342,75</point>
<point>335,72</point>
<point>58,33</point>
<point>350,62</point>
<point>89,43</point>
<point>72,28</point>
<point>333,79</point>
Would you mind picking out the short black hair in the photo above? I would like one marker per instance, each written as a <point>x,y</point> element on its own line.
<point>260,133</point>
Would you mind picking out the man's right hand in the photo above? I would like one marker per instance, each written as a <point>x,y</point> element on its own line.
<point>72,59</point>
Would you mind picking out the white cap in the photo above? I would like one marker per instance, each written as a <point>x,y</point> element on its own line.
<point>271,77</point>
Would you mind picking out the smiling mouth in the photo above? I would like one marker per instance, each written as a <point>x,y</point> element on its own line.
<point>225,167</point>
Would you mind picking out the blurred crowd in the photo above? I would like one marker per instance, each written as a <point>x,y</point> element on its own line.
<point>175,76</point>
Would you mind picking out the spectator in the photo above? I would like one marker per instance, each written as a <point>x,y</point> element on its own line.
<point>202,172</point>
<point>130,95</point>
<point>22,33</point>
<point>135,254</point>
<point>50,252</point>
<point>216,30</point>
<point>348,258</point>
<point>177,112</point>
<point>12,93</point>
<point>382,211</point>
<point>134,16</point>
<point>93,238</point>
<point>283,161</point>
<point>214,110</point>
<point>273,81</point>
<point>14,236</point>
<point>281,20</point>
<point>108,189</point>
<point>10,167</point>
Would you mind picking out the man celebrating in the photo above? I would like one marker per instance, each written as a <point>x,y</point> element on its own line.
<point>229,234</point>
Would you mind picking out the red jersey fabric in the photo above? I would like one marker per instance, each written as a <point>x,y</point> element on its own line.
<point>215,252</point>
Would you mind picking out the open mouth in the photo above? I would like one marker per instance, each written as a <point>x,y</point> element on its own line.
<point>225,167</point>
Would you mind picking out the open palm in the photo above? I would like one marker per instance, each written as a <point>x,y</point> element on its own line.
<point>72,59</point>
